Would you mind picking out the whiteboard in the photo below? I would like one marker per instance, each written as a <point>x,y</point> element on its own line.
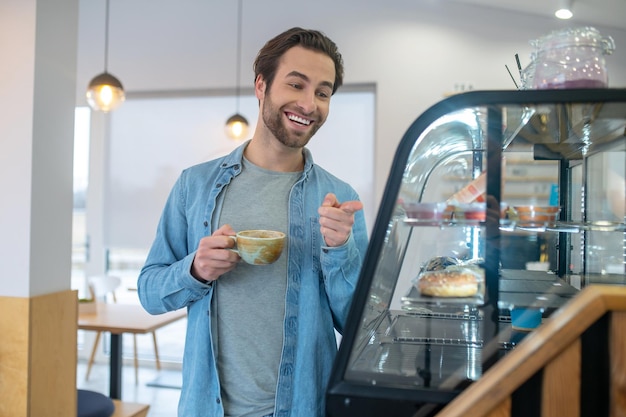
<point>151,140</point>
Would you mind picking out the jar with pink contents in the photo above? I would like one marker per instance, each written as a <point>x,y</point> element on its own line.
<point>571,58</point>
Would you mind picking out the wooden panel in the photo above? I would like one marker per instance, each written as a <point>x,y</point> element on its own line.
<point>14,328</point>
<point>53,355</point>
<point>502,410</point>
<point>124,409</point>
<point>613,296</point>
<point>618,364</point>
<point>561,384</point>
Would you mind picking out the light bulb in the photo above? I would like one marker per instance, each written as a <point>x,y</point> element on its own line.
<point>236,127</point>
<point>564,14</point>
<point>105,93</point>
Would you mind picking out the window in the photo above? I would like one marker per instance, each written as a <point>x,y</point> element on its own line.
<point>82,121</point>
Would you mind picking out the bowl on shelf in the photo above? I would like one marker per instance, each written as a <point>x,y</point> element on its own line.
<point>427,212</point>
<point>537,215</point>
<point>471,212</point>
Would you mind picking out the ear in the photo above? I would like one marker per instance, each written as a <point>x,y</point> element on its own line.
<point>259,87</point>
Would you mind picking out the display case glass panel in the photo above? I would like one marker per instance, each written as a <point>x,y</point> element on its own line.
<point>499,208</point>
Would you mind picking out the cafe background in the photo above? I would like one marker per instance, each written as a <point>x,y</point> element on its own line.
<point>177,62</point>
<point>401,57</point>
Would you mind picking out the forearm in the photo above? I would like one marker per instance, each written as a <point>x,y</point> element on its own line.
<point>165,287</point>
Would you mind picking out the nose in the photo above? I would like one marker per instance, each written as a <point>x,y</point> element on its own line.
<point>307,101</point>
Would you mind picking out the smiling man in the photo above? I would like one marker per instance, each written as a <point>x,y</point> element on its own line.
<point>260,339</point>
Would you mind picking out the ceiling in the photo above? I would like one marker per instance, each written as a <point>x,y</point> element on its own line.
<point>606,13</point>
<point>200,33</point>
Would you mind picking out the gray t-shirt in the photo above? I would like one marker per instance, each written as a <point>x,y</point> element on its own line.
<point>249,301</point>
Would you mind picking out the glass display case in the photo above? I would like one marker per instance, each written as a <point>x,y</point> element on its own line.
<point>499,208</point>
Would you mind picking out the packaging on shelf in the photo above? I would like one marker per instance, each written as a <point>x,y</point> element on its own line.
<point>471,192</point>
<point>475,190</point>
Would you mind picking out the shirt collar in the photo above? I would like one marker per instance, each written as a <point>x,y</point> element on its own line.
<point>236,157</point>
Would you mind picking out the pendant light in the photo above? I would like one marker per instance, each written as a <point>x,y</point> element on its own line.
<point>237,125</point>
<point>105,92</point>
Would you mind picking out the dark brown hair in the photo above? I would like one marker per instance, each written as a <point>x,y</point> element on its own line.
<point>267,59</point>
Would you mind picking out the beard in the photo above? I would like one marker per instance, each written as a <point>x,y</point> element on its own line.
<point>273,118</point>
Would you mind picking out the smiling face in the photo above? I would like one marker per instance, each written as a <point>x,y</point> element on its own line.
<point>297,102</point>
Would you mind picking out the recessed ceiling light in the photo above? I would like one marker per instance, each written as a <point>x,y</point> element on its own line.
<point>564,14</point>
<point>564,10</point>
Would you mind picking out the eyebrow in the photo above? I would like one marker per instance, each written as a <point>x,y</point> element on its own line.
<point>305,78</point>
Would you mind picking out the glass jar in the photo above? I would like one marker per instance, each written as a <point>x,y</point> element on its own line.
<point>528,73</point>
<point>571,58</point>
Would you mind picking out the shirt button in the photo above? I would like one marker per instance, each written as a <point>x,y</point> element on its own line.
<point>325,250</point>
<point>218,401</point>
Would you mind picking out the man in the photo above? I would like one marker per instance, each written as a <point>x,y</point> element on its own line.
<point>260,339</point>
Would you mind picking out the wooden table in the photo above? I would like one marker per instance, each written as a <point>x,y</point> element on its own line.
<point>118,319</point>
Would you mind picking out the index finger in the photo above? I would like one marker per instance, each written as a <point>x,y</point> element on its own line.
<point>351,206</point>
<point>225,230</point>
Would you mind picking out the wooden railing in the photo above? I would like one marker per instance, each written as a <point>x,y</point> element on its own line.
<point>573,365</point>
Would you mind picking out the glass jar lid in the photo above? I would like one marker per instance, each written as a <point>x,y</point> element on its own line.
<point>578,37</point>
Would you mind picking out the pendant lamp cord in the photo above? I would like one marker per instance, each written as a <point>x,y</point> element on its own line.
<point>106,37</point>
<point>239,19</point>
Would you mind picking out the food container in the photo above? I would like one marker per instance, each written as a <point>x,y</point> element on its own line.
<point>473,212</point>
<point>426,212</point>
<point>536,215</point>
<point>571,58</point>
<point>439,263</point>
<point>526,319</point>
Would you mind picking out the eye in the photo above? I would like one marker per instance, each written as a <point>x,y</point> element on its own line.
<point>323,94</point>
<point>297,86</point>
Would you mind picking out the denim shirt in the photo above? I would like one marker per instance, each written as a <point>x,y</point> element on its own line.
<point>320,284</point>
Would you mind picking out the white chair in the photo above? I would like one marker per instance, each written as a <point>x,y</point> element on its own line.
<point>102,287</point>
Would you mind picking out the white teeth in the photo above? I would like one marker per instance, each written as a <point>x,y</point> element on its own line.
<point>300,120</point>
